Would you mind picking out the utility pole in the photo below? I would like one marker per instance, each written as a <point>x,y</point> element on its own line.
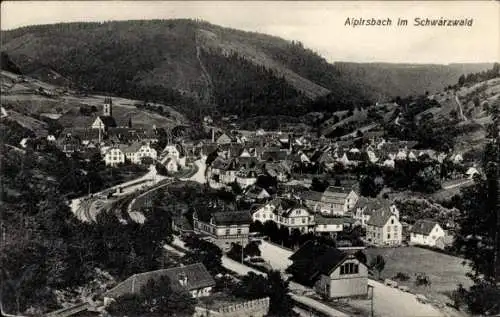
<point>372,313</point>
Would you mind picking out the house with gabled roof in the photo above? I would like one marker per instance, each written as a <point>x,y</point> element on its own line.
<point>384,229</point>
<point>426,232</point>
<point>172,150</point>
<point>333,273</point>
<point>246,177</point>
<point>333,201</point>
<point>330,225</point>
<point>114,156</point>
<point>281,171</point>
<point>255,193</point>
<point>366,206</point>
<point>225,227</point>
<point>193,278</point>
<point>228,173</point>
<point>287,213</point>
<point>224,138</point>
<point>136,151</point>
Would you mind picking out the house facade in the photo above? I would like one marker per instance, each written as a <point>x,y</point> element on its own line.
<point>285,213</point>
<point>114,156</point>
<point>333,201</point>
<point>331,272</point>
<point>384,229</point>
<point>225,228</point>
<point>172,150</point>
<point>426,232</point>
<point>365,207</point>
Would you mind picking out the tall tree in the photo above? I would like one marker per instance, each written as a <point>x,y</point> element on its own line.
<point>479,223</point>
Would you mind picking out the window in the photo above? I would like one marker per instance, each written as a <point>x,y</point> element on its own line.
<point>303,220</point>
<point>392,221</point>
<point>349,268</point>
<point>228,231</point>
<point>238,230</point>
<point>292,221</point>
<point>388,236</point>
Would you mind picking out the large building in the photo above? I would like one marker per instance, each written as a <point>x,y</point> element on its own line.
<point>333,201</point>
<point>384,229</point>
<point>106,120</point>
<point>224,228</point>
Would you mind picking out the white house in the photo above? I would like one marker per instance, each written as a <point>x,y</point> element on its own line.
<point>384,229</point>
<point>114,156</point>
<point>287,213</point>
<point>426,232</point>
<point>331,272</point>
<point>458,159</point>
<point>246,178</point>
<point>172,150</point>
<point>365,207</point>
<point>333,201</point>
<point>372,157</point>
<point>471,172</point>
<point>328,224</point>
<point>137,151</point>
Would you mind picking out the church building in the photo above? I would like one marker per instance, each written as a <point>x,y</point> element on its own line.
<point>105,121</point>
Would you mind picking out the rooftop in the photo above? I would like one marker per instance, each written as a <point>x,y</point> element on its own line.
<point>196,274</point>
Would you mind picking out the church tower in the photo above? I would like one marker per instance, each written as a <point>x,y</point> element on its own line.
<point>108,107</point>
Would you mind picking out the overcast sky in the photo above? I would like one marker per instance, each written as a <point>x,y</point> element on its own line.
<point>319,25</point>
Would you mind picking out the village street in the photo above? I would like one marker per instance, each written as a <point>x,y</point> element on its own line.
<point>388,301</point>
<point>295,288</point>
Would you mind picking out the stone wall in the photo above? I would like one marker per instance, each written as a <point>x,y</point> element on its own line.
<point>253,308</point>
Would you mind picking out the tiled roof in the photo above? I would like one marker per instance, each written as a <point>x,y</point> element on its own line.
<point>219,163</point>
<point>316,258</point>
<point>196,274</point>
<point>379,217</point>
<point>321,220</point>
<point>372,204</point>
<point>311,195</point>
<point>423,226</point>
<point>232,217</point>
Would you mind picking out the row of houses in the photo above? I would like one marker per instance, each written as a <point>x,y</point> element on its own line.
<point>379,217</point>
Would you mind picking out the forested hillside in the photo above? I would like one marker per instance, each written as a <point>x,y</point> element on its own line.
<point>185,63</point>
<point>392,80</point>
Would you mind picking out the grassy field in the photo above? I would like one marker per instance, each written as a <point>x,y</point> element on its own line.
<point>444,271</point>
<point>23,98</point>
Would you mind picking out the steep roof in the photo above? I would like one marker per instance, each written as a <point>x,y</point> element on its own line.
<point>108,121</point>
<point>423,226</point>
<point>311,195</point>
<point>197,277</point>
<point>379,217</point>
<point>372,204</point>
<point>219,163</point>
<point>131,148</point>
<point>316,258</point>
<point>232,218</point>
